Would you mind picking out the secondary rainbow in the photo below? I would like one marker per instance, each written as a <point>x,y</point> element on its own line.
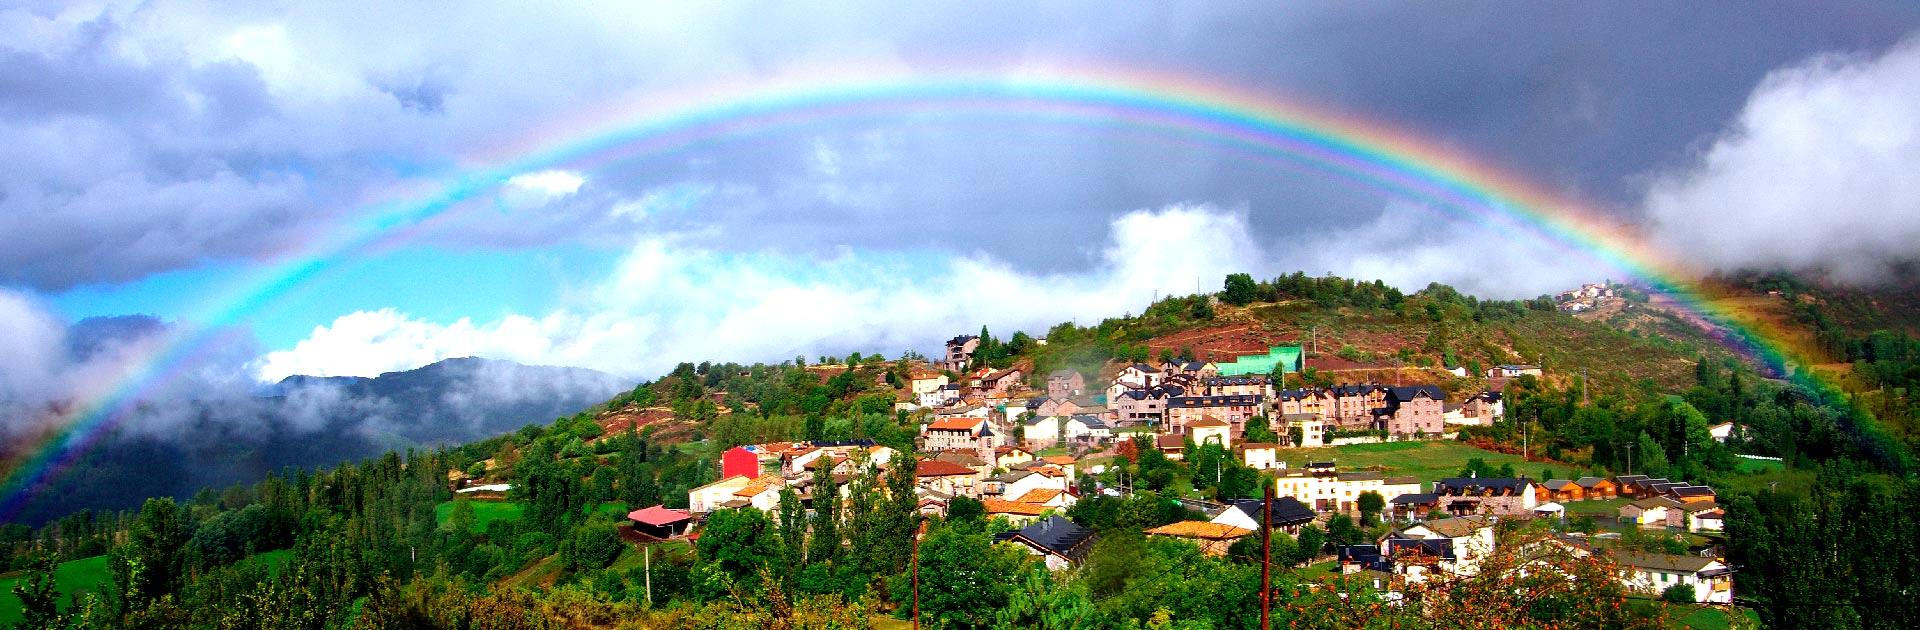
<point>1174,107</point>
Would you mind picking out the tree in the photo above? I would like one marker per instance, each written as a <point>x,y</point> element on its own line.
<point>1240,290</point>
<point>793,528</point>
<point>1040,602</point>
<point>39,602</point>
<point>593,544</point>
<point>963,577</point>
<point>825,543</point>
<point>1678,594</point>
<point>965,509</point>
<point>1312,541</point>
<point>1342,531</point>
<point>152,563</point>
<point>1259,430</point>
<point>1370,504</point>
<point>734,547</point>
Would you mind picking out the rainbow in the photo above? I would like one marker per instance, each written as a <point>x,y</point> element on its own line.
<point>1183,109</point>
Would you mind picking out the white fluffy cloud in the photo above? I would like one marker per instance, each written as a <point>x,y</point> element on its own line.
<point>668,302</point>
<point>1820,170</point>
<point>1409,246</point>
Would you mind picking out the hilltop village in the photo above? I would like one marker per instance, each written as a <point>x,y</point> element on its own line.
<point>1024,456</point>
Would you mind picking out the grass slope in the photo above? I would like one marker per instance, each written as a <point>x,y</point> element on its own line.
<point>485,512</point>
<point>1426,460</point>
<point>69,578</point>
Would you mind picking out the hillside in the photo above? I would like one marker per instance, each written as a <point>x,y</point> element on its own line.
<point>177,448</point>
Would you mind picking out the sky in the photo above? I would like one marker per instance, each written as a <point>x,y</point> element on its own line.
<point>167,162</point>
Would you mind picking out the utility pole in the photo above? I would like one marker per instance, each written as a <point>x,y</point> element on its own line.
<point>1629,459</point>
<point>1583,386</point>
<point>1266,553</point>
<point>648,559</point>
<point>1526,454</point>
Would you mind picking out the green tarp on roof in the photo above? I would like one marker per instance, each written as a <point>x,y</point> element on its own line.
<point>1285,356</point>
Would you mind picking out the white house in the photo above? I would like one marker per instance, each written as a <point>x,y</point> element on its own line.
<point>1720,432</point>
<point>1469,537</point>
<point>1087,429</point>
<point>1654,573</point>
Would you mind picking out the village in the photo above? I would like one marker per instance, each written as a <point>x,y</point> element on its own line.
<point>1027,455</point>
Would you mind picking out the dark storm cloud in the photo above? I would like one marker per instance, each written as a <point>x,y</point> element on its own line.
<point>156,136</point>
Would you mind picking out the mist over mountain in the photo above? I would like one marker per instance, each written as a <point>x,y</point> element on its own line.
<point>306,422</point>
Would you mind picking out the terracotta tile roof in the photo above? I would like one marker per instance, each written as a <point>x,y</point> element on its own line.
<point>760,484</point>
<point>999,506</point>
<point>1038,496</point>
<point>955,424</point>
<point>1200,529</point>
<point>1206,422</point>
<point>1063,460</point>
<point>938,468</point>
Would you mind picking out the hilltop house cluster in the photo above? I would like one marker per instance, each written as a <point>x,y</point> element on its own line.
<point>983,433</point>
<point>1170,405</point>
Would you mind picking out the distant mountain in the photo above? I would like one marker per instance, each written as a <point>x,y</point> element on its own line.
<point>180,447</point>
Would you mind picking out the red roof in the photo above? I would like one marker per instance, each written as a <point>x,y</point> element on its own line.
<point>940,468</point>
<point>659,515</point>
<point>964,423</point>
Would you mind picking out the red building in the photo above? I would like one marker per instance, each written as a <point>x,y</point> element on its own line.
<point>739,460</point>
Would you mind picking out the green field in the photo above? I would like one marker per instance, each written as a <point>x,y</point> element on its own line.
<point>485,512</point>
<point>79,576</point>
<point>1427,460</point>
<point>1757,466</point>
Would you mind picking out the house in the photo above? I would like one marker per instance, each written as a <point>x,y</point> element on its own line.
<point>1714,520</point>
<point>1559,490</point>
<point>1352,406</point>
<point>970,459</point>
<point>1065,384</point>
<point>660,522</point>
<point>1198,370</point>
<point>1691,494</point>
<point>761,493</point>
<point>1213,538</point>
<point>1002,381</point>
<point>923,382</point>
<point>1469,541</point>
<point>1513,371</point>
<point>1048,497</point>
<point>1654,573</point>
<point>1259,455</point>
<point>1286,514</point>
<point>1413,505</point>
<point>1461,496</point>
<point>1017,483</point>
<point>960,353</point>
<point>940,396</point>
<point>1173,446</point>
<point>710,497</point>
<point>1064,463</point>
<point>1413,410</point>
<point>1041,432</point>
<point>1304,401</point>
<point>1597,488</point>
<point>1016,512</point>
<point>1058,540</point>
<point>1233,410</point>
<point>1483,408</point>
<point>1326,490</point>
<point>1142,406</point>
<point>1653,512</point>
<point>1721,432</point>
<point>1086,429</point>
<point>947,478</point>
<point>1139,376</point>
<point>739,461</point>
<point>1303,429</point>
<point>1007,456</point>
<point>966,433</point>
<point>1209,430</point>
<point>1249,385</point>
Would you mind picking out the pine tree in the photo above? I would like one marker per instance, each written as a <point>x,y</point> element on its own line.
<point>825,544</point>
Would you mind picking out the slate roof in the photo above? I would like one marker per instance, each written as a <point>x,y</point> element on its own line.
<point>1410,392</point>
<point>1421,498</point>
<point>1055,535</point>
<point>1588,482</point>
<point>1661,561</point>
<point>1464,485</point>
<point>1287,511</point>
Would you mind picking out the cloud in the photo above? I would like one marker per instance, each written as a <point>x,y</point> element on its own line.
<point>551,184</point>
<point>1820,170</point>
<point>1408,246</point>
<point>670,301</point>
